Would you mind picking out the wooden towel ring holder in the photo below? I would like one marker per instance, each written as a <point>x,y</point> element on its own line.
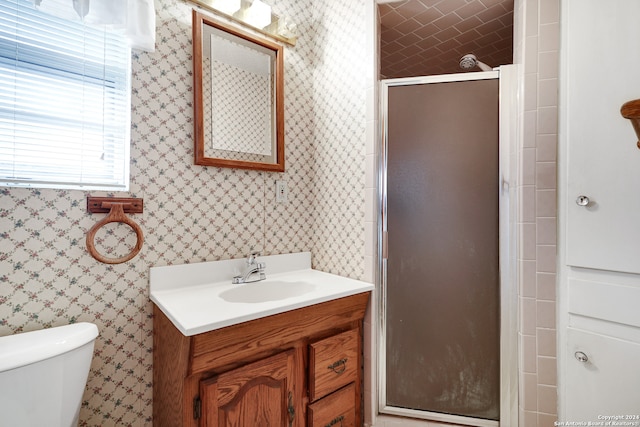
<point>116,207</point>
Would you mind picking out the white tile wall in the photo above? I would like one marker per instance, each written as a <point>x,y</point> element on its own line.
<point>537,42</point>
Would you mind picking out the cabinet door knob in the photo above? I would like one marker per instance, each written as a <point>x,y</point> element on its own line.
<point>582,201</point>
<point>291,410</point>
<point>581,357</point>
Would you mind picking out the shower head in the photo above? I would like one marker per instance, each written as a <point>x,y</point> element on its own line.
<point>469,61</point>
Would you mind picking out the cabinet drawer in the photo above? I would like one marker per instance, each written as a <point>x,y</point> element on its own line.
<point>333,363</point>
<point>336,410</point>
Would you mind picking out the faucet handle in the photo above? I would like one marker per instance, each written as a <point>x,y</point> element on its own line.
<point>252,258</point>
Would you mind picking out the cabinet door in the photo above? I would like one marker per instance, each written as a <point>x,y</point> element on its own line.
<point>603,162</point>
<point>258,394</point>
<point>606,382</point>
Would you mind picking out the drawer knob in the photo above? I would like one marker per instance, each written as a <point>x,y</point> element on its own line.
<point>338,367</point>
<point>335,421</point>
<point>581,357</point>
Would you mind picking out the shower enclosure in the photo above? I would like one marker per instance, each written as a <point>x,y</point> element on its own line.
<point>447,309</point>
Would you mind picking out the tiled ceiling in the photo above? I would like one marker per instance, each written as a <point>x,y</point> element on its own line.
<point>426,37</point>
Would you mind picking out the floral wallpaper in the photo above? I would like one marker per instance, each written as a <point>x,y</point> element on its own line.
<point>193,213</point>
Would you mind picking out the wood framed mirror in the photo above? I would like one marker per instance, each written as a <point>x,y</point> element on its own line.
<point>238,84</point>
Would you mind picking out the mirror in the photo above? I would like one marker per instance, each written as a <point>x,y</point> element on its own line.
<point>238,98</point>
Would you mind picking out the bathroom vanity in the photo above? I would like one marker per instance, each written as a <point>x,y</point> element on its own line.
<point>286,358</point>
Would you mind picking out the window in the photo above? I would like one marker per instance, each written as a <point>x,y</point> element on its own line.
<point>64,102</point>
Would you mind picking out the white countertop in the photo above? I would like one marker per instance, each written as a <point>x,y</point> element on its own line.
<point>200,298</point>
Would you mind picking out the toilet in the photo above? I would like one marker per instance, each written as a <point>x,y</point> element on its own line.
<point>43,375</point>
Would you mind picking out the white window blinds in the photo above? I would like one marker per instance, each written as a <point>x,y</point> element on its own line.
<point>64,102</point>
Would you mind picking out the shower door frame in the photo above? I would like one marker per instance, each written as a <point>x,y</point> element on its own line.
<point>508,134</point>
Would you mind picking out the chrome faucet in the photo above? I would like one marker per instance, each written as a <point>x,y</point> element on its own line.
<point>254,271</point>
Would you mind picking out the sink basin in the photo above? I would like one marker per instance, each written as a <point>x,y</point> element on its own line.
<point>257,292</point>
<point>200,297</point>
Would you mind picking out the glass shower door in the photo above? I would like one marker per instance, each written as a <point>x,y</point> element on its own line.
<point>442,287</point>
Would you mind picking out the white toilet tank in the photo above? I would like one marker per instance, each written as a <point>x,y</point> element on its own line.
<point>43,375</point>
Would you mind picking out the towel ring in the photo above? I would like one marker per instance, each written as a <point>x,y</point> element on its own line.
<point>116,214</point>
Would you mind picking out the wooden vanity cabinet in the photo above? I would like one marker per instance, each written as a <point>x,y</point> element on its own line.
<point>298,368</point>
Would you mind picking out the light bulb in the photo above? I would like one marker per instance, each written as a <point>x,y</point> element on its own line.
<point>258,15</point>
<point>226,6</point>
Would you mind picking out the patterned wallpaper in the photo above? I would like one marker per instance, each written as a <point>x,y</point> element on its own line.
<point>340,70</point>
<point>194,213</point>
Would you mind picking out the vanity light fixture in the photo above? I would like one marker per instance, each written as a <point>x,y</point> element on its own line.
<point>258,14</point>
<point>226,6</point>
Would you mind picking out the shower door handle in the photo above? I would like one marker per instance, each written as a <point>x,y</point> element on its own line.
<point>505,186</point>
